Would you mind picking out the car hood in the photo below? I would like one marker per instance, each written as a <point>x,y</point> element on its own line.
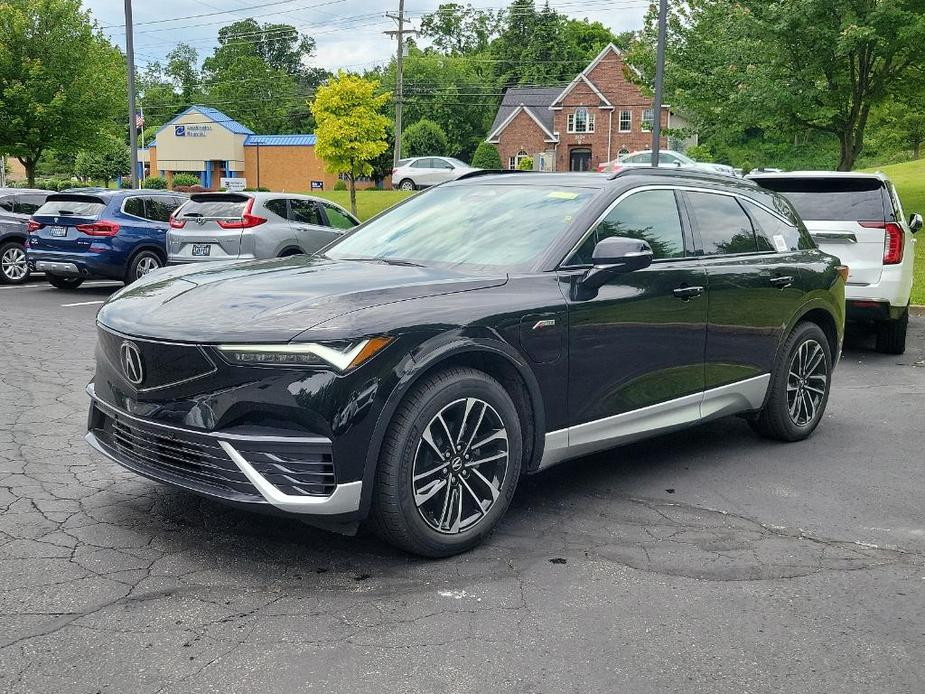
<point>272,300</point>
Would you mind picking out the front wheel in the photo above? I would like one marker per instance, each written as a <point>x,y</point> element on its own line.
<point>799,388</point>
<point>449,464</point>
<point>407,184</point>
<point>891,334</point>
<point>64,282</point>
<point>13,266</point>
<point>143,263</point>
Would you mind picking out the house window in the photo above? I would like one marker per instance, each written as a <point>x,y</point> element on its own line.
<point>581,121</point>
<point>514,162</point>
<point>626,121</point>
<point>648,118</point>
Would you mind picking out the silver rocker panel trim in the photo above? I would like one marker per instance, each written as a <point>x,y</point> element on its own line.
<point>608,432</point>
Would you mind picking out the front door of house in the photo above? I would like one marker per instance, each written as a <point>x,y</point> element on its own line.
<point>580,159</point>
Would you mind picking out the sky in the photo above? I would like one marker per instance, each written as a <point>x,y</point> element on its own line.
<point>348,33</point>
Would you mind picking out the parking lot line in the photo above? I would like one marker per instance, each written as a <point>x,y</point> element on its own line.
<point>97,283</point>
<point>84,303</point>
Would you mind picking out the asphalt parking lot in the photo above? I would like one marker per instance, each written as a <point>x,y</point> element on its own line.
<point>707,561</point>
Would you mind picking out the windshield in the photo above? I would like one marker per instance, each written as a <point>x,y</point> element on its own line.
<point>456,162</point>
<point>507,226</point>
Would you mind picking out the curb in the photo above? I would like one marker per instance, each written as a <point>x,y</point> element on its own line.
<point>917,310</point>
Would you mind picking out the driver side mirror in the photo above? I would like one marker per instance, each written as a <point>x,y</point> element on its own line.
<point>613,256</point>
<point>915,222</point>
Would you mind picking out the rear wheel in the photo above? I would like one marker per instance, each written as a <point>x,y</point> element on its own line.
<point>891,334</point>
<point>799,388</point>
<point>406,184</point>
<point>64,282</point>
<point>13,266</point>
<point>143,263</point>
<point>449,464</point>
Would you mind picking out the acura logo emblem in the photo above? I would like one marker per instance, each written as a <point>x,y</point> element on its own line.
<point>130,356</point>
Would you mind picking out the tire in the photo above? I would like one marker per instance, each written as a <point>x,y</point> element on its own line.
<point>426,517</point>
<point>13,266</point>
<point>891,334</point>
<point>794,406</point>
<point>406,184</point>
<point>142,263</point>
<point>62,282</point>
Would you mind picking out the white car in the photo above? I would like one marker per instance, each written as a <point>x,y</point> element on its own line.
<point>858,218</point>
<point>421,172</point>
<point>666,158</point>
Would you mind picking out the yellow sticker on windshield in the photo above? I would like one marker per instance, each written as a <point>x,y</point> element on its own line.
<point>562,195</point>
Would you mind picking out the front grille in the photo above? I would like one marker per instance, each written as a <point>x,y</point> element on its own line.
<point>298,469</point>
<point>163,364</point>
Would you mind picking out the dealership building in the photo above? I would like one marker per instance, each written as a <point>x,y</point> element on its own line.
<point>209,144</point>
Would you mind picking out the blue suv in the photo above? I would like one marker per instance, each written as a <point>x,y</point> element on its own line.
<point>118,235</point>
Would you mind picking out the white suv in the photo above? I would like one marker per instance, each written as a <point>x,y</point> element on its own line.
<point>420,172</point>
<point>858,218</point>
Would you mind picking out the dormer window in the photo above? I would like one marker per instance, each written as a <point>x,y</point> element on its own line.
<point>581,121</point>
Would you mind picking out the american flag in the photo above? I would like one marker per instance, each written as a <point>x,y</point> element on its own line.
<point>139,119</point>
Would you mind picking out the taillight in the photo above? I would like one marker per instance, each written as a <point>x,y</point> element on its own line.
<point>176,223</point>
<point>100,228</point>
<point>893,241</point>
<point>32,225</point>
<point>247,220</point>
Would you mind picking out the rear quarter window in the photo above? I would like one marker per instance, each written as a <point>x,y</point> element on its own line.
<point>832,199</point>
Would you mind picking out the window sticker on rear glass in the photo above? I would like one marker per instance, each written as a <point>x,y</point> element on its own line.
<point>780,243</point>
<point>562,195</point>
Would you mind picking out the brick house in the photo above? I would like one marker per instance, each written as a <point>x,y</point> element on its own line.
<point>598,116</point>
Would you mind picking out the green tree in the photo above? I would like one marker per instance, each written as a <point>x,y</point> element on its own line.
<point>790,67</point>
<point>423,138</point>
<point>59,80</point>
<point>106,162</point>
<point>351,129</point>
<point>525,164</point>
<point>486,157</point>
<point>183,69</point>
<point>457,29</point>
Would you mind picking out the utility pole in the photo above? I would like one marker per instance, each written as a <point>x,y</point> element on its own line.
<point>659,78</point>
<point>400,35</point>
<point>132,122</point>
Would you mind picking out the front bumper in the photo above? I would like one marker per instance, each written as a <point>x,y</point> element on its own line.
<point>291,474</point>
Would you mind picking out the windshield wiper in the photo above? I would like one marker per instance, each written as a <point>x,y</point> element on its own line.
<point>386,261</point>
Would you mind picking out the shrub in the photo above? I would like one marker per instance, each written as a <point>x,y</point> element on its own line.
<point>340,185</point>
<point>424,138</point>
<point>486,157</point>
<point>154,183</point>
<point>525,164</point>
<point>185,179</point>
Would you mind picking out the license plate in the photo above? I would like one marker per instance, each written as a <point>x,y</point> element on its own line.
<point>202,249</point>
<point>58,231</point>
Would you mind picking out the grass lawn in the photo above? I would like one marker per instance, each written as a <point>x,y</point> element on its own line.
<point>909,179</point>
<point>369,202</point>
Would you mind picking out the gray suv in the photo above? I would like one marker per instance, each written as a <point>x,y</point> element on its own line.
<point>235,226</point>
<point>16,206</point>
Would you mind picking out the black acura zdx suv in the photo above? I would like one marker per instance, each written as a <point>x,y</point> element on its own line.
<point>490,327</point>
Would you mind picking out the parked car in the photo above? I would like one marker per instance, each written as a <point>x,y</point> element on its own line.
<point>16,206</point>
<point>421,172</point>
<point>666,157</point>
<point>106,234</point>
<point>487,328</point>
<point>235,226</point>
<point>858,217</point>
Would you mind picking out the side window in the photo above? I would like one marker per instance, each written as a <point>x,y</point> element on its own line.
<point>645,158</point>
<point>134,205</point>
<point>651,215</point>
<point>159,208</point>
<point>305,211</point>
<point>723,225</point>
<point>277,207</point>
<point>28,204</point>
<point>422,164</point>
<point>6,204</point>
<point>441,164</point>
<point>339,219</point>
<point>772,232</point>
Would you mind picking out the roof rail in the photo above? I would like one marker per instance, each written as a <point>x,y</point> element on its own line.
<point>489,172</point>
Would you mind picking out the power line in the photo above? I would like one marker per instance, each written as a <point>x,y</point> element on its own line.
<point>217,12</point>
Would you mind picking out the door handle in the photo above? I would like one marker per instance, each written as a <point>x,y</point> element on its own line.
<point>686,293</point>
<point>781,282</point>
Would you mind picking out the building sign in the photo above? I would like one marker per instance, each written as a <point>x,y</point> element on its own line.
<point>191,130</point>
<point>233,185</point>
<point>317,185</point>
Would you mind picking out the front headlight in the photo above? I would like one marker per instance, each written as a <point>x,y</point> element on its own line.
<point>342,356</point>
